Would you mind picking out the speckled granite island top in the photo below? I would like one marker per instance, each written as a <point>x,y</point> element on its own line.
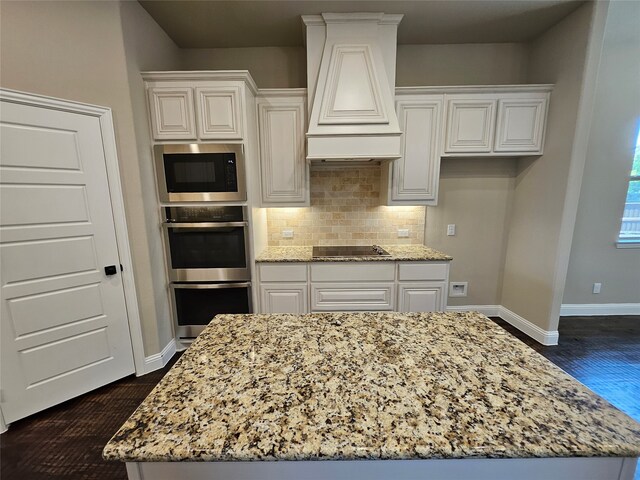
<point>367,386</point>
<point>402,253</point>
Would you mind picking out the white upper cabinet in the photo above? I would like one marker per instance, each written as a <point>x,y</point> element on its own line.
<point>520,124</point>
<point>414,176</point>
<point>205,106</point>
<point>219,112</point>
<point>171,110</point>
<point>470,123</point>
<point>499,121</point>
<point>283,165</point>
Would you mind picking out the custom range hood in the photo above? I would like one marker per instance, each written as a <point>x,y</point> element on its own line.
<point>351,72</point>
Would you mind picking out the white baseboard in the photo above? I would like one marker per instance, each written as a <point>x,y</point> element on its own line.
<point>590,309</point>
<point>488,310</point>
<point>159,360</point>
<point>545,337</point>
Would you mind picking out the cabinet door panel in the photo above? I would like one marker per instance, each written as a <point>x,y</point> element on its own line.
<point>282,154</point>
<point>283,298</point>
<point>416,173</point>
<point>520,126</point>
<point>470,125</point>
<point>423,297</point>
<point>171,110</point>
<point>219,112</point>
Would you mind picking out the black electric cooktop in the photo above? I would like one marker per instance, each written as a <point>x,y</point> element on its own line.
<point>349,251</point>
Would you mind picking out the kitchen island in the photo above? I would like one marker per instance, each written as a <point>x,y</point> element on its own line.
<point>371,395</point>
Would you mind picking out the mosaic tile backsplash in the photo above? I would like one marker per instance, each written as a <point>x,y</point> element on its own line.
<point>345,210</point>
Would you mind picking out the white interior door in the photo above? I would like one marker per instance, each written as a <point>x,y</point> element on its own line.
<point>64,321</point>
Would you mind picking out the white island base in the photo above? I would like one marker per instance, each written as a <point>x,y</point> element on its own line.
<point>593,468</point>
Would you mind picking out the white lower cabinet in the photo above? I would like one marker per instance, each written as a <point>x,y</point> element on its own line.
<point>422,297</point>
<point>353,287</point>
<point>284,298</point>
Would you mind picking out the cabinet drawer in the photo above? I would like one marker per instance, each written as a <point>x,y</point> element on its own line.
<point>278,272</point>
<point>352,272</point>
<point>338,297</point>
<point>422,271</point>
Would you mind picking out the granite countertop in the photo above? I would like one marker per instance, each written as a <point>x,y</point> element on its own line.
<point>406,253</point>
<point>367,386</point>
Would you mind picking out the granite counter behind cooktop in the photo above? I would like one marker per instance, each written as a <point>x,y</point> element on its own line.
<point>403,253</point>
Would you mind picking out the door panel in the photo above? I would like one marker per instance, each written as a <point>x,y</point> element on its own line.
<point>64,322</point>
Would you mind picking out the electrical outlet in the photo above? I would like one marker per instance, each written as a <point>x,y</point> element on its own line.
<point>287,233</point>
<point>403,232</point>
<point>597,287</point>
<point>458,289</point>
<point>451,230</point>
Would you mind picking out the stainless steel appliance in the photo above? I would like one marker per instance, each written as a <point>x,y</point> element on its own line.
<point>349,251</point>
<point>200,172</point>
<point>207,257</point>
<point>207,243</point>
<point>195,304</point>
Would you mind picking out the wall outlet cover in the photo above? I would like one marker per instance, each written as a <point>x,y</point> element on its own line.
<point>403,232</point>
<point>451,230</point>
<point>287,233</point>
<point>597,287</point>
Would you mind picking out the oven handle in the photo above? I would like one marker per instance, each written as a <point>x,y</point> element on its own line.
<point>210,285</point>
<point>204,224</point>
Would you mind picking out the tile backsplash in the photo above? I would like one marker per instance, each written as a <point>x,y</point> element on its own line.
<point>345,210</point>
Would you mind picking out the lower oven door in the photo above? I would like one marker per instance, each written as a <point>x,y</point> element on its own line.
<point>195,304</point>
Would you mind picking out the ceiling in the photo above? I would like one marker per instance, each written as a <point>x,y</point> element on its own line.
<point>223,23</point>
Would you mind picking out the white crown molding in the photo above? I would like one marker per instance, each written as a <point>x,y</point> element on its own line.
<point>282,92</point>
<point>593,309</point>
<point>454,89</point>
<point>206,75</point>
<point>32,99</point>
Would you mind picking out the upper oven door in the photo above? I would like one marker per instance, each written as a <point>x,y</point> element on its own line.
<point>215,251</point>
<point>200,172</point>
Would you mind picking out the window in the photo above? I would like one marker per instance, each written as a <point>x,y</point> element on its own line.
<point>630,228</point>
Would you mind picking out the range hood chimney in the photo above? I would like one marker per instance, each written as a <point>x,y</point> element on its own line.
<point>351,72</point>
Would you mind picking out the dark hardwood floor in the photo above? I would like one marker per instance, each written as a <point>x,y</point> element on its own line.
<point>66,441</point>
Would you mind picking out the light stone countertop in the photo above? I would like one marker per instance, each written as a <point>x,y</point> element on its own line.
<point>345,386</point>
<point>406,253</point>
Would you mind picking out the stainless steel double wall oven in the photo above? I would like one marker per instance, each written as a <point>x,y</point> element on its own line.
<point>206,244</point>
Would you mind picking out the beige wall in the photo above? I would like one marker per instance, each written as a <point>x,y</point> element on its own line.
<point>475,195</point>
<point>465,64</point>
<point>270,67</point>
<point>345,210</point>
<point>533,246</point>
<point>75,50</point>
<point>285,67</point>
<point>594,257</point>
<point>147,47</point>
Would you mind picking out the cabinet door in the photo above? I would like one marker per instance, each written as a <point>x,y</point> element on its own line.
<point>520,126</point>
<point>171,110</point>
<point>470,124</point>
<point>283,298</point>
<point>415,175</point>
<point>219,112</point>
<point>282,156</point>
<point>421,297</point>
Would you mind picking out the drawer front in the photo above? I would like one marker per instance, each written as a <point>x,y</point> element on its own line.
<point>422,271</point>
<point>278,272</point>
<point>353,272</point>
<point>340,297</point>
